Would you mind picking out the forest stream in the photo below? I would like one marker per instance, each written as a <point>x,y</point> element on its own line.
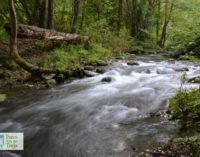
<point>120,117</point>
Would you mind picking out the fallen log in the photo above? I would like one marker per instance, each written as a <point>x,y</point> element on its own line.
<point>27,31</point>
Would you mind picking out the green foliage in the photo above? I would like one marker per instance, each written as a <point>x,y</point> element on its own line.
<point>3,33</point>
<point>186,105</point>
<point>2,98</point>
<point>51,83</point>
<point>75,56</point>
<point>190,58</point>
<point>184,28</point>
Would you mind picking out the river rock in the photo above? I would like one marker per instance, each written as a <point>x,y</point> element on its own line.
<point>194,80</point>
<point>165,71</point>
<point>90,68</point>
<point>90,73</point>
<point>51,83</point>
<point>60,78</point>
<point>107,79</point>
<point>48,77</point>
<point>132,63</point>
<point>148,71</point>
<point>181,69</point>
<point>101,63</point>
<point>100,70</point>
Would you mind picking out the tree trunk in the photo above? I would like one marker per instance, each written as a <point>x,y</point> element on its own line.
<point>119,16</point>
<point>76,9</point>
<point>134,24</point>
<point>35,70</point>
<point>163,37</point>
<point>50,20</point>
<point>158,21</point>
<point>84,8</point>
<point>42,13</point>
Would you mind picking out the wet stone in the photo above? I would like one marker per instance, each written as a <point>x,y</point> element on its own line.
<point>132,63</point>
<point>107,79</point>
<point>100,70</point>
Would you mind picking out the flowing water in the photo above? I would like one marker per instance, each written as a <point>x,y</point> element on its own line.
<point>89,118</point>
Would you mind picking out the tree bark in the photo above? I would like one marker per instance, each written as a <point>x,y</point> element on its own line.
<point>50,20</point>
<point>42,13</point>
<point>84,8</point>
<point>158,21</point>
<point>119,16</point>
<point>76,9</point>
<point>163,37</point>
<point>33,69</point>
<point>134,21</point>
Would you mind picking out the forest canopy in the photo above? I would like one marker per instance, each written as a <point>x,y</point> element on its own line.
<point>167,23</point>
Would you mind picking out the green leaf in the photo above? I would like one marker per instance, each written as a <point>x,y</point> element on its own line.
<point>2,98</point>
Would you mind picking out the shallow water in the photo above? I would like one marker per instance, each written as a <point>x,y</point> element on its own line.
<point>88,118</point>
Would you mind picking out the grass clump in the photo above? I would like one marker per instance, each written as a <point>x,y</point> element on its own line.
<point>190,58</point>
<point>186,106</point>
<point>72,57</point>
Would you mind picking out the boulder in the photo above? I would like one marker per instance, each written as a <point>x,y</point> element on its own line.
<point>148,71</point>
<point>50,83</point>
<point>165,71</point>
<point>132,63</point>
<point>181,69</point>
<point>90,68</point>
<point>48,77</point>
<point>100,70</point>
<point>194,80</point>
<point>107,79</point>
<point>90,73</point>
<point>59,78</point>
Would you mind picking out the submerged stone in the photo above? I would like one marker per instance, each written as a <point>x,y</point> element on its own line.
<point>132,63</point>
<point>100,70</point>
<point>107,79</point>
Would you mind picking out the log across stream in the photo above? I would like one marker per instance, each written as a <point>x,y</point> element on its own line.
<point>91,118</point>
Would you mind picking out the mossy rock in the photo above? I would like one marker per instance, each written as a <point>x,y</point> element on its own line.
<point>50,83</point>
<point>197,80</point>
<point>99,63</point>
<point>2,98</point>
<point>60,78</point>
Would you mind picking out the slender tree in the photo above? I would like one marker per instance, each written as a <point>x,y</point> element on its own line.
<point>50,19</point>
<point>42,13</point>
<point>84,8</point>
<point>168,11</point>
<point>119,15</point>
<point>76,10</point>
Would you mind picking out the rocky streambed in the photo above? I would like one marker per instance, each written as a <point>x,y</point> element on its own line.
<point>118,113</point>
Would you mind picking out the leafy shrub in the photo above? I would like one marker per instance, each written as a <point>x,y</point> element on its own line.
<point>75,56</point>
<point>186,105</point>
